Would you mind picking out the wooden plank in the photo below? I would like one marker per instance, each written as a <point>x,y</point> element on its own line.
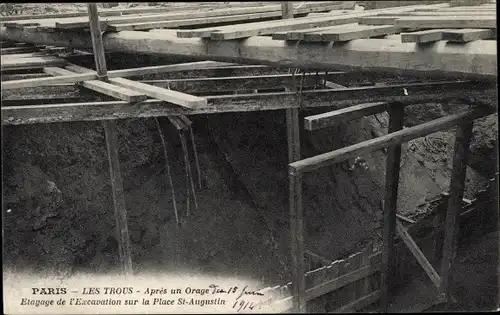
<point>423,36</point>
<point>359,303</point>
<point>477,58</point>
<point>170,96</point>
<point>297,243</point>
<point>320,259</point>
<point>393,161</point>
<point>441,13</point>
<point>102,87</point>
<point>365,147</point>
<point>111,74</point>
<point>378,20</point>
<point>354,288</point>
<point>329,119</point>
<point>333,284</point>
<point>446,22</point>
<point>467,35</point>
<point>457,9</point>
<point>422,260</point>
<point>82,22</point>
<point>457,185</point>
<point>17,50</point>
<point>194,22</point>
<point>30,63</point>
<point>349,32</point>
<point>240,18</point>
<point>265,28</point>
<point>160,93</point>
<point>29,114</point>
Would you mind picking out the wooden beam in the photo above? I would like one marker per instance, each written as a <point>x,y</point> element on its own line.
<point>165,95</point>
<point>334,284</point>
<point>242,18</point>
<point>420,22</point>
<point>419,255</point>
<point>467,35</point>
<point>82,22</point>
<point>17,84</point>
<point>160,93</point>
<point>349,32</point>
<point>366,147</point>
<point>29,114</point>
<point>457,185</point>
<point>396,121</point>
<point>13,63</point>
<point>441,13</point>
<point>102,87</point>
<point>199,21</point>
<point>477,59</point>
<point>189,86</point>
<point>329,119</point>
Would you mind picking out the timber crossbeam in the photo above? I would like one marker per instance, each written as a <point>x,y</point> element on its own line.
<point>336,98</point>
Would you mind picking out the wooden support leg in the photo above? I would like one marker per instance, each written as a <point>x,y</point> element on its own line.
<point>460,157</point>
<point>396,119</point>
<point>296,231</point>
<point>112,146</point>
<point>118,197</point>
<point>296,215</point>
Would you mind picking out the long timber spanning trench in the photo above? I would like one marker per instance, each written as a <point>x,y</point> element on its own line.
<point>461,71</point>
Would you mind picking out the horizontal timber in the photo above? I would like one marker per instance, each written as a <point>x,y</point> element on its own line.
<point>71,78</point>
<point>366,147</point>
<point>476,59</point>
<point>335,98</point>
<point>127,95</point>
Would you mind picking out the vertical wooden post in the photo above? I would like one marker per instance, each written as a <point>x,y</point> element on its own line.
<point>460,158</point>
<point>112,147</point>
<point>95,32</point>
<point>297,238</point>
<point>396,120</point>
<point>296,212</point>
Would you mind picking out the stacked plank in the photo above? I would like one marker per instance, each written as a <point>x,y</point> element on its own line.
<point>308,24</point>
<point>199,17</point>
<point>453,24</point>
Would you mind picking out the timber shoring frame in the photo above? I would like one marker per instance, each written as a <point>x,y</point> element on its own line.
<point>393,141</point>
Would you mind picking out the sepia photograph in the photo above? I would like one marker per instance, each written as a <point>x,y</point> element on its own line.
<point>249,157</point>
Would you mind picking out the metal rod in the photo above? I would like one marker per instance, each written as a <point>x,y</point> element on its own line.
<point>193,143</point>
<point>457,185</point>
<point>396,120</point>
<point>167,167</point>
<point>118,197</point>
